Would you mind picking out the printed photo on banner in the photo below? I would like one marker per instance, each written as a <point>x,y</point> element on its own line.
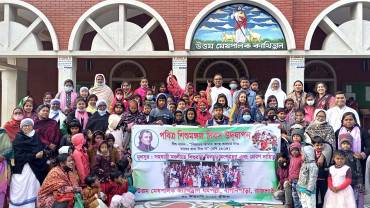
<point>146,141</point>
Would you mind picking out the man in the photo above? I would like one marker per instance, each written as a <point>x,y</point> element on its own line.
<point>335,113</point>
<point>244,85</point>
<point>218,89</point>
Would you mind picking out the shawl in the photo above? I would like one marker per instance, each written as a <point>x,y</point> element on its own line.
<point>48,131</point>
<point>279,94</point>
<point>63,99</point>
<point>133,117</point>
<point>112,105</point>
<point>98,122</point>
<point>299,101</point>
<point>321,129</point>
<point>102,92</point>
<point>6,148</point>
<point>356,134</point>
<point>56,182</point>
<point>173,87</point>
<point>83,118</point>
<point>12,128</point>
<point>25,148</point>
<point>91,109</point>
<point>324,102</point>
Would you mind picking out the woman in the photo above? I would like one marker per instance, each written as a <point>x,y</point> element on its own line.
<point>59,185</point>
<point>48,96</point>
<point>222,100</point>
<point>298,95</point>
<point>274,88</point>
<point>6,154</point>
<point>12,126</point>
<point>28,110</point>
<point>80,114</point>
<point>47,129</point>
<point>173,87</point>
<point>101,90</point>
<point>323,99</point>
<point>30,166</point>
<point>56,114</point>
<point>99,120</point>
<point>191,117</point>
<point>129,118</point>
<point>67,97</point>
<point>91,103</point>
<point>320,127</point>
<point>260,111</point>
<point>236,113</point>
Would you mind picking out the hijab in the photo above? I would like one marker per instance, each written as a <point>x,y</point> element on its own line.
<point>12,126</point>
<point>102,91</point>
<point>279,93</point>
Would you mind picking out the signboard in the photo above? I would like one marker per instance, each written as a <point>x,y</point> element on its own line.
<point>65,63</point>
<point>238,27</point>
<point>205,164</point>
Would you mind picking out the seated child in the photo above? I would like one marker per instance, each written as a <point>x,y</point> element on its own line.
<point>91,194</point>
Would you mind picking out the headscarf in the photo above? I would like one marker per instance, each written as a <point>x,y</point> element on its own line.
<point>78,141</point>
<point>113,122</point>
<point>132,117</point>
<point>103,92</point>
<point>122,101</point>
<point>12,127</point>
<point>279,93</point>
<point>321,129</point>
<point>23,101</point>
<point>173,87</point>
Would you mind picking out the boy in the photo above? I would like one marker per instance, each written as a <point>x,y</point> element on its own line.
<point>299,118</point>
<point>323,170</point>
<point>218,116</point>
<point>290,186</point>
<point>306,185</point>
<point>281,116</point>
<point>161,115</point>
<point>346,142</point>
<point>117,185</point>
<point>146,111</point>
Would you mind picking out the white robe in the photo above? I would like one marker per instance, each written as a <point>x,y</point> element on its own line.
<point>279,93</point>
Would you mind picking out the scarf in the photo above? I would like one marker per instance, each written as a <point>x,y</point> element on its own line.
<point>130,117</point>
<point>48,131</point>
<point>12,128</point>
<point>5,144</point>
<point>67,100</point>
<point>173,87</point>
<point>356,134</point>
<point>82,118</point>
<point>102,92</point>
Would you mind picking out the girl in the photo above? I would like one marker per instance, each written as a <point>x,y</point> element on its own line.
<point>118,98</point>
<point>84,93</point>
<point>150,98</point>
<point>274,88</point>
<point>260,111</point>
<point>309,107</point>
<point>28,110</point>
<point>91,194</point>
<point>239,106</point>
<point>289,109</point>
<point>272,102</point>
<point>80,114</point>
<point>340,193</point>
<point>97,138</point>
<point>67,96</point>
<point>181,106</point>
<point>74,127</point>
<point>222,100</point>
<point>127,92</point>
<point>203,114</point>
<point>293,174</point>
<point>91,103</point>
<point>104,163</point>
<point>80,157</point>
<point>191,117</point>
<point>48,96</point>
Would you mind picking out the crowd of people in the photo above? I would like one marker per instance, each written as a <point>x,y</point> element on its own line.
<point>74,148</point>
<point>179,175</point>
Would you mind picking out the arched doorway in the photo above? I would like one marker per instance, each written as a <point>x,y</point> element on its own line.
<point>126,70</point>
<point>231,69</point>
<point>319,71</point>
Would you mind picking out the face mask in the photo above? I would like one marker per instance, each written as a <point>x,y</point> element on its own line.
<point>68,88</point>
<point>233,86</point>
<point>102,113</point>
<point>149,97</point>
<point>247,117</point>
<point>310,103</point>
<point>119,97</point>
<point>18,117</point>
<point>283,164</point>
<point>271,117</point>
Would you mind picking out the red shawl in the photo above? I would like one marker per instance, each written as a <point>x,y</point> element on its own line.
<point>12,128</point>
<point>174,87</point>
<point>48,131</point>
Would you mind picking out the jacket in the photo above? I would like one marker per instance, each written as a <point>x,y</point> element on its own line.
<point>309,171</point>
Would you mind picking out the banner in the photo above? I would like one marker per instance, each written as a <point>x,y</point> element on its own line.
<point>220,163</point>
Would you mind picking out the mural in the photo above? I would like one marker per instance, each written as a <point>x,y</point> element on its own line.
<point>238,27</point>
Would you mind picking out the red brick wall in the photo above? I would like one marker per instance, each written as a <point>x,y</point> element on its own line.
<point>178,14</point>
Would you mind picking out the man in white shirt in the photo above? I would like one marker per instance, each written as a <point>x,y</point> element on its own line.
<point>335,114</point>
<point>218,89</point>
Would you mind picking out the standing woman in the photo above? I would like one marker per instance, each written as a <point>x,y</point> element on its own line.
<point>260,111</point>
<point>298,95</point>
<point>274,88</point>
<point>323,100</point>
<point>28,110</point>
<point>6,153</point>
<point>101,90</point>
<point>67,97</point>
<point>47,129</point>
<point>12,126</point>
<point>30,168</point>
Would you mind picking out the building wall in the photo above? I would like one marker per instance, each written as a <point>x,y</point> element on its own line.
<point>178,14</point>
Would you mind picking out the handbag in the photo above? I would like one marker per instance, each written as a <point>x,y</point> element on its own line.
<point>79,203</point>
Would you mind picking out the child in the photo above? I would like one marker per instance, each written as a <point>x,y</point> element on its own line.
<point>172,107</point>
<point>161,115</point>
<point>282,175</point>
<point>144,87</point>
<point>289,109</point>
<point>307,178</point>
<point>97,138</point>
<point>84,93</point>
<point>117,185</point>
<point>149,98</point>
<point>113,148</point>
<point>346,141</point>
<point>297,135</point>
<point>340,193</point>
<point>299,118</point>
<point>270,115</point>
<point>80,156</point>
<point>118,98</point>
<point>191,117</point>
<point>323,169</point>
<point>203,115</point>
<point>309,108</point>
<point>290,186</point>
<point>104,163</point>
<point>74,127</point>
<point>146,111</point>
<point>179,118</point>
<point>181,106</point>
<point>281,116</point>
<point>91,194</point>
<point>218,116</point>
<point>195,101</point>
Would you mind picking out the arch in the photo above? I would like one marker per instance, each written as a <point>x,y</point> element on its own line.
<point>75,37</point>
<point>116,66</point>
<point>197,68</point>
<point>322,15</point>
<point>49,26</point>
<point>328,66</point>
<point>263,4</point>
